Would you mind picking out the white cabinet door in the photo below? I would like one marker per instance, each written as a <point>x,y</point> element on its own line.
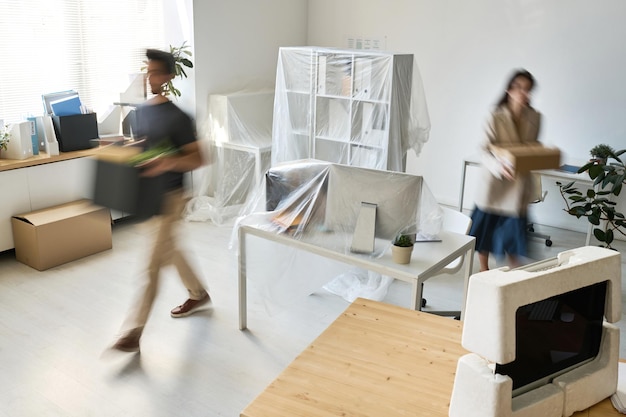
<point>15,200</point>
<point>60,182</point>
<point>40,186</point>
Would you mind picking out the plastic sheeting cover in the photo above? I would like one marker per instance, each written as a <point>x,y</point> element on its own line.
<point>239,128</point>
<point>354,107</point>
<point>318,202</point>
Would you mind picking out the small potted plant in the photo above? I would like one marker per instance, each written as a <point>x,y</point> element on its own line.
<point>401,249</point>
<point>600,153</point>
<point>5,137</point>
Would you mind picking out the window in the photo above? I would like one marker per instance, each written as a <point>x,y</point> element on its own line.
<point>90,46</point>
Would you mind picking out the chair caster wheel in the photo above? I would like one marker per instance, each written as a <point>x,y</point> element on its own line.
<point>423,302</point>
<point>548,242</point>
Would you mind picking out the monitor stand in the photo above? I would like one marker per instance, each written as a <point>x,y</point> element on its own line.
<point>365,229</point>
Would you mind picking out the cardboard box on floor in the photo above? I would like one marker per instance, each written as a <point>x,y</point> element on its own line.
<point>529,158</point>
<point>56,235</point>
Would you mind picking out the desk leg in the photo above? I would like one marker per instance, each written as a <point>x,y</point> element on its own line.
<point>243,308</point>
<point>462,186</point>
<point>467,272</point>
<point>416,300</point>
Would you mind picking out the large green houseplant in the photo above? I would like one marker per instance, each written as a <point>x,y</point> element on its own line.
<point>607,171</point>
<point>182,57</point>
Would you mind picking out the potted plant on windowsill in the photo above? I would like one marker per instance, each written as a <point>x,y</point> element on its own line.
<point>5,137</point>
<point>607,171</point>
<point>401,249</point>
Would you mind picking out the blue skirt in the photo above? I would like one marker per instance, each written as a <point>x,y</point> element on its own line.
<point>499,234</point>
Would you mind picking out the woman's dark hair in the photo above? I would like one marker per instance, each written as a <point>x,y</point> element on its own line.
<point>161,56</point>
<point>518,73</point>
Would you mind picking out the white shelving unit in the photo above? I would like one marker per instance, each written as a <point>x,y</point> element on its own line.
<point>343,106</point>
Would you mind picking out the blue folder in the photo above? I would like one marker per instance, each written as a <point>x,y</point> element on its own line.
<point>66,106</point>
<point>569,168</point>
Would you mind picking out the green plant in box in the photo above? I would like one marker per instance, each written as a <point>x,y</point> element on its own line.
<point>164,148</point>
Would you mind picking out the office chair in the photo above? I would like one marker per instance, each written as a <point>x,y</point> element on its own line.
<point>540,196</point>
<point>453,221</point>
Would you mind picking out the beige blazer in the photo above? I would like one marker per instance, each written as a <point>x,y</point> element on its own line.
<point>497,194</point>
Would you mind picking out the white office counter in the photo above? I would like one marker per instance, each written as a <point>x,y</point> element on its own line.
<point>549,212</point>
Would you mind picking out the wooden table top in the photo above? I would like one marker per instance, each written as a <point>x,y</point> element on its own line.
<point>42,158</point>
<point>375,360</point>
<point>602,409</point>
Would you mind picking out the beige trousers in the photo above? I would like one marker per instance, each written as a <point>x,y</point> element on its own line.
<point>164,252</point>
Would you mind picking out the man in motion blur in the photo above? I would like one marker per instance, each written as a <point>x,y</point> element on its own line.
<point>159,122</point>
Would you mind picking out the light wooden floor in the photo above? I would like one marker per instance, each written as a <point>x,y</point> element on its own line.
<point>56,324</point>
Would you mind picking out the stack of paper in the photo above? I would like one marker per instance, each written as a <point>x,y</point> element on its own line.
<point>619,398</point>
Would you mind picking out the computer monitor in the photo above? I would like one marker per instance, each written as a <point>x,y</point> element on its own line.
<point>396,195</point>
<point>555,335</point>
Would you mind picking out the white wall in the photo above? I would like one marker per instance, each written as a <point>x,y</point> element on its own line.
<point>236,44</point>
<point>466,50</point>
<point>178,29</point>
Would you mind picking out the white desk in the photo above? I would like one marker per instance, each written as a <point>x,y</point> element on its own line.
<point>562,176</point>
<point>258,152</point>
<point>428,258</point>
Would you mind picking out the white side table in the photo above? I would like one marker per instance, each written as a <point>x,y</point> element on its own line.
<point>261,153</point>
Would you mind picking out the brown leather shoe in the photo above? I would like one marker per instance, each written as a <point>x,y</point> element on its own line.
<point>190,306</point>
<point>129,342</point>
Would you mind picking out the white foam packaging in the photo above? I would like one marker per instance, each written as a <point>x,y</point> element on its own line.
<point>489,333</point>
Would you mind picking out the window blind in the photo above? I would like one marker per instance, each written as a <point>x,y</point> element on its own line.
<point>90,46</point>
